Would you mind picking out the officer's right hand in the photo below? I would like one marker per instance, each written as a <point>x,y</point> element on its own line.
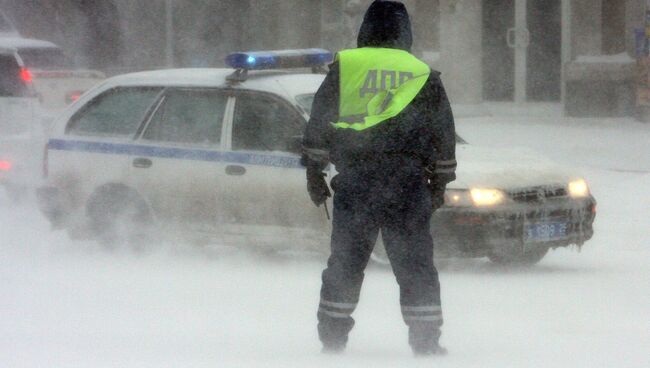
<point>317,187</point>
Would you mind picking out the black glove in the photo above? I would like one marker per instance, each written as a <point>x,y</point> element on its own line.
<point>437,194</point>
<point>317,187</point>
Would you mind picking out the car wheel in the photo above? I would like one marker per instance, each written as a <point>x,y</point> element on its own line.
<point>119,216</point>
<point>519,257</point>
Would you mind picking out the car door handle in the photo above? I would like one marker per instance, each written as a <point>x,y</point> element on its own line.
<point>142,163</point>
<point>235,170</point>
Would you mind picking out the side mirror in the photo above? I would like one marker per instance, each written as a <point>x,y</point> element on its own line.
<point>295,144</point>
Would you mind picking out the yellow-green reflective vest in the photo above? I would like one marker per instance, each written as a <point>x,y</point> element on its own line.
<point>376,84</point>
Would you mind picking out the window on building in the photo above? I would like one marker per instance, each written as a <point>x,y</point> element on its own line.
<point>115,113</point>
<point>613,23</point>
<point>5,26</point>
<point>426,23</point>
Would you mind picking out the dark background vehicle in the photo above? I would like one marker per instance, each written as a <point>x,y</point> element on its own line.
<point>18,123</point>
<point>57,81</point>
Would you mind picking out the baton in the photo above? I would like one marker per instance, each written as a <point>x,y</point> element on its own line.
<point>327,212</point>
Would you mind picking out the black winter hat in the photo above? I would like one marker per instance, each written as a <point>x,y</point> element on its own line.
<point>386,24</point>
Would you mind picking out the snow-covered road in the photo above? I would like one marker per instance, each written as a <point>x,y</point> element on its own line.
<point>71,304</point>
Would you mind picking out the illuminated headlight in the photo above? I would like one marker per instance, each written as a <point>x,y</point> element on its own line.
<point>487,197</point>
<point>474,197</point>
<point>578,189</point>
<point>457,198</point>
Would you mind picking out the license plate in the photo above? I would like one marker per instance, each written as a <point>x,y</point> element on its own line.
<point>546,231</point>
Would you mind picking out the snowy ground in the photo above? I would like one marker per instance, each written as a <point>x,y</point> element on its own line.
<point>70,304</point>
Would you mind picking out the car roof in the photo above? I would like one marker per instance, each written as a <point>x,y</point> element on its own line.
<point>26,43</point>
<point>279,82</point>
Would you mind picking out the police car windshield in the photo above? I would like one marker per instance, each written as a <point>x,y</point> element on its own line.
<point>305,101</point>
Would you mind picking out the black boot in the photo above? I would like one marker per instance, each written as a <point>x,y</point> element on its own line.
<point>333,348</point>
<point>433,349</point>
<point>424,341</point>
<point>333,333</point>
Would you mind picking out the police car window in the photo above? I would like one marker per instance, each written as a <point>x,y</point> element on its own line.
<point>115,113</point>
<point>262,123</point>
<point>189,116</point>
<point>305,101</point>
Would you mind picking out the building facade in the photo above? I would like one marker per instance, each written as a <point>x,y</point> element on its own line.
<point>570,51</point>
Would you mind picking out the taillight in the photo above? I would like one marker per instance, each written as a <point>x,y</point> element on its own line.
<point>46,169</point>
<point>5,165</point>
<point>26,75</point>
<point>73,96</point>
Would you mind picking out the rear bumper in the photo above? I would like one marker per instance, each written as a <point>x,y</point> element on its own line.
<point>476,232</point>
<point>51,204</point>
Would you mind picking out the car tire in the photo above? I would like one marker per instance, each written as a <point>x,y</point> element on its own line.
<point>119,216</point>
<point>519,257</point>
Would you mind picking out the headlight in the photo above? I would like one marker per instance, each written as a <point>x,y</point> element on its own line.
<point>457,198</point>
<point>578,189</point>
<point>487,197</point>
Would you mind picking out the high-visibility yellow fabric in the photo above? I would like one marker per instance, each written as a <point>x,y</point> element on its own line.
<point>376,84</point>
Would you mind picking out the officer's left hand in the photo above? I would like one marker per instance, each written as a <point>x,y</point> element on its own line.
<point>317,187</point>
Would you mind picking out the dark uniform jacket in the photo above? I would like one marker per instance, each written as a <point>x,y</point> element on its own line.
<point>422,135</point>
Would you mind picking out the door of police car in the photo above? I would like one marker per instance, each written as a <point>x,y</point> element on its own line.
<point>179,167</point>
<point>265,182</point>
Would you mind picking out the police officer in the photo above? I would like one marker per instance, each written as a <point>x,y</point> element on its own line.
<point>383,119</point>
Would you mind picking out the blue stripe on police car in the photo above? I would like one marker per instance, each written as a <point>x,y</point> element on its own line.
<point>290,162</point>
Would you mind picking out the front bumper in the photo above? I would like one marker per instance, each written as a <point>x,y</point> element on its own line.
<point>474,232</point>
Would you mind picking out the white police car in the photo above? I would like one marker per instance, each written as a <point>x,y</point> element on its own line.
<point>216,151</point>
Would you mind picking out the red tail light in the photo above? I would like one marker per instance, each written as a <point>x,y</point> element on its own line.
<point>5,165</point>
<point>73,96</point>
<point>26,75</point>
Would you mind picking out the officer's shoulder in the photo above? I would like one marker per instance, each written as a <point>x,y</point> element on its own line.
<point>435,74</point>
<point>435,77</point>
<point>333,66</point>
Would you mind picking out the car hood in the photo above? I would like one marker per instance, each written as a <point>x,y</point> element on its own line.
<point>510,168</point>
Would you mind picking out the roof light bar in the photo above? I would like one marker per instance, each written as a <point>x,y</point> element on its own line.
<point>280,59</point>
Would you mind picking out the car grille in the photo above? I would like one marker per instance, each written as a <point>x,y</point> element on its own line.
<point>536,195</point>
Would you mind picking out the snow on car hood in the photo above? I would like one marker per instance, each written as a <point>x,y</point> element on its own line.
<point>510,168</point>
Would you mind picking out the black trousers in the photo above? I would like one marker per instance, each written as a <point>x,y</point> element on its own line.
<point>398,205</point>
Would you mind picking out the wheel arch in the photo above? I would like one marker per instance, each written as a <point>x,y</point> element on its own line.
<point>116,191</point>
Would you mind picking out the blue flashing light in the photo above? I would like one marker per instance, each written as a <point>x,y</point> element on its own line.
<point>281,59</point>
